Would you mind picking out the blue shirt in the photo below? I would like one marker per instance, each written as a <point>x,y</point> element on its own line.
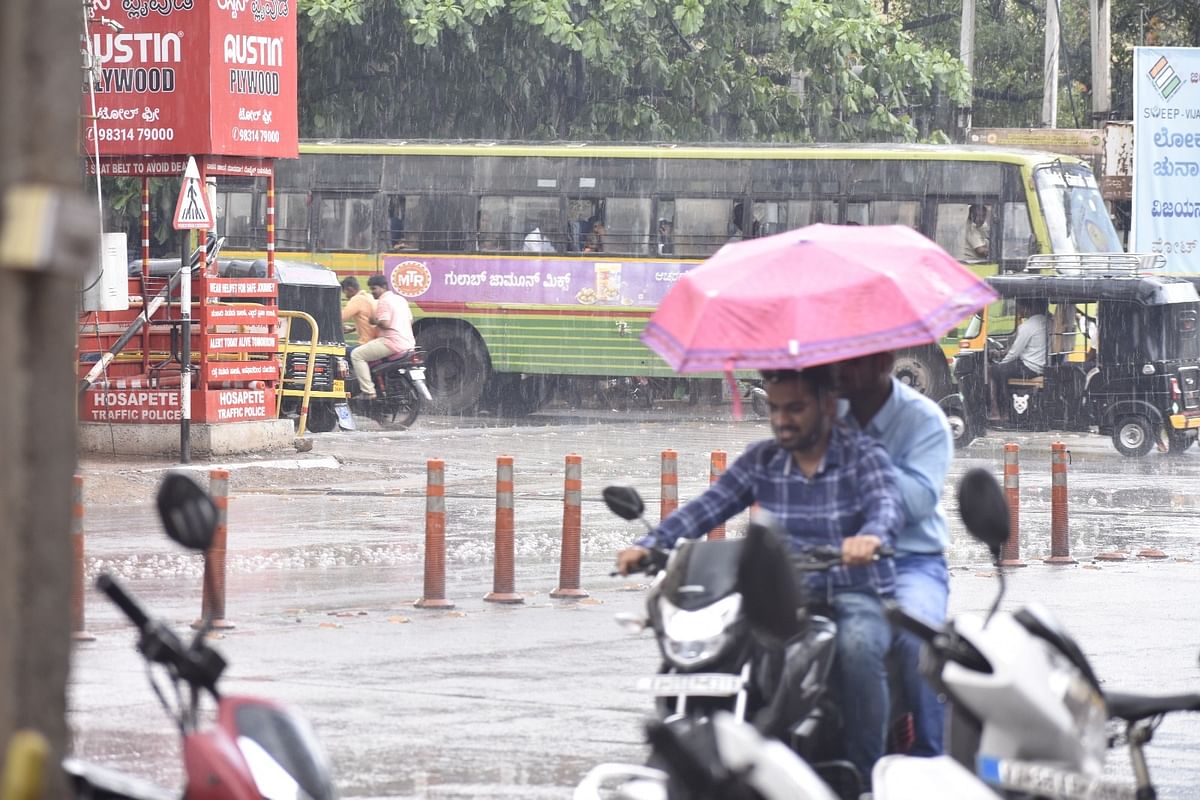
<point>853,492</point>
<point>917,437</point>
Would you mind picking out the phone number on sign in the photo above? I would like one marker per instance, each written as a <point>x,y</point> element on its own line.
<point>132,134</point>
<point>253,135</point>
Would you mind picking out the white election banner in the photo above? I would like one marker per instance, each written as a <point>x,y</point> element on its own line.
<point>1166,165</point>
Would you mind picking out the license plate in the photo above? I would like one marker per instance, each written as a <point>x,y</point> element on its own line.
<point>702,684</point>
<point>1050,781</point>
<point>417,373</point>
<point>345,418</point>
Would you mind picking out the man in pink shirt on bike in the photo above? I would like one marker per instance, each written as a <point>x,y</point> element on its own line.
<point>394,333</point>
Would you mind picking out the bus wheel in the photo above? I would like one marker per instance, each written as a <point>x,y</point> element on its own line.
<point>321,417</point>
<point>924,369</point>
<point>516,395</point>
<point>456,367</point>
<point>1133,436</point>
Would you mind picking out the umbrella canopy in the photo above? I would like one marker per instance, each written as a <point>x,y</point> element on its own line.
<point>813,296</point>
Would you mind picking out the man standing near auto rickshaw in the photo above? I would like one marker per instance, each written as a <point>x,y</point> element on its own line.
<point>393,319</point>
<point>359,308</point>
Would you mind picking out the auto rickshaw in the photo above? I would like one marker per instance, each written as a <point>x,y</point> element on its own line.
<point>1123,358</point>
<point>311,293</point>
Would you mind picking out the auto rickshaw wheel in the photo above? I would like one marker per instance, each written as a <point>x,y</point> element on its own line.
<point>322,418</point>
<point>1133,436</point>
<point>1179,441</point>
<point>960,428</point>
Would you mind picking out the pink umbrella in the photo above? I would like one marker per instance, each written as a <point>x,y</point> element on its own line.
<point>813,296</point>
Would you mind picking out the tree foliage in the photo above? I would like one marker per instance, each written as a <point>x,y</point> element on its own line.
<point>675,70</point>
<point>1009,43</point>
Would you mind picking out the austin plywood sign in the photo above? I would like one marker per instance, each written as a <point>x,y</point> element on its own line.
<point>188,76</point>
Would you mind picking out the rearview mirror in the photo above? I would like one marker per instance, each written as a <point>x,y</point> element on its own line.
<point>983,509</point>
<point>187,512</point>
<point>624,501</point>
<point>767,581</point>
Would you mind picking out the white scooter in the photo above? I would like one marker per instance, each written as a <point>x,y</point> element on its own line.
<point>1028,714</point>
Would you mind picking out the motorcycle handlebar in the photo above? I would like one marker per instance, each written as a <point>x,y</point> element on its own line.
<point>136,614</point>
<point>945,642</point>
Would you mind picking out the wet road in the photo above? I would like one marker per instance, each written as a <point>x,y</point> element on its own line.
<point>325,560</point>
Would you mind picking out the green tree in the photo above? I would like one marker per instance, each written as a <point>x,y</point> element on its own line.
<point>1009,40</point>
<point>678,70</point>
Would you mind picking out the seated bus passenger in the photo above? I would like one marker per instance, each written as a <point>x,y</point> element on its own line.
<point>976,234</point>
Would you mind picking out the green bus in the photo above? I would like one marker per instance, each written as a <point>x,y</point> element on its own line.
<point>528,262</point>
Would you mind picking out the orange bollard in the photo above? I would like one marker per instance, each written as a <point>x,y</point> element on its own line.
<point>1010,555</point>
<point>572,526</point>
<point>78,631</point>
<point>435,537</point>
<point>503,581</point>
<point>212,606</point>
<point>1060,538</point>
<point>670,484</point>
<point>716,468</point>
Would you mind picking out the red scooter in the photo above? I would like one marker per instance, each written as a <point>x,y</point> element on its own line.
<point>256,749</point>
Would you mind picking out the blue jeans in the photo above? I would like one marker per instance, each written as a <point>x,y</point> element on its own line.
<point>922,589</point>
<point>863,638</point>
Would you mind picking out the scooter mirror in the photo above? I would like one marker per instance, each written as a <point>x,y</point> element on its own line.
<point>624,501</point>
<point>983,509</point>
<point>188,514</point>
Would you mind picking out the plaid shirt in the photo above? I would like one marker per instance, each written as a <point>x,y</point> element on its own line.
<point>852,493</point>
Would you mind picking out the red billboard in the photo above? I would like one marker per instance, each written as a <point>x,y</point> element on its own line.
<point>191,77</point>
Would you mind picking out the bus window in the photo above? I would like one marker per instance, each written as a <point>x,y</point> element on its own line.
<point>628,221</point>
<point>770,217</point>
<point>857,214</point>
<point>702,225</point>
<point>810,212</point>
<point>395,237</point>
<point>291,215</point>
<point>1017,242</point>
<point>533,224</point>
<point>345,223</point>
<point>584,214</point>
<point>949,228</point>
<point>896,212</point>
<point>235,218</point>
<point>664,229</point>
<point>437,222</point>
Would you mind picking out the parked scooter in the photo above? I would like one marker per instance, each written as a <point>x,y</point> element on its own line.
<point>257,749</point>
<point>1028,714</point>
<point>774,673</point>
<point>399,389</point>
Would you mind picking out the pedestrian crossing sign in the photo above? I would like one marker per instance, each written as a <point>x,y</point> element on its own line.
<point>192,211</point>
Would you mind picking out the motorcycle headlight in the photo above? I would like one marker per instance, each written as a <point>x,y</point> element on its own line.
<point>692,637</point>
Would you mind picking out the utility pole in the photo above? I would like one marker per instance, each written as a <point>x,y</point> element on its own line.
<point>1101,39</point>
<point>966,53</point>
<point>1050,67</point>
<point>48,235</point>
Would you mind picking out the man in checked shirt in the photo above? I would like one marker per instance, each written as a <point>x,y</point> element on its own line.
<point>826,485</point>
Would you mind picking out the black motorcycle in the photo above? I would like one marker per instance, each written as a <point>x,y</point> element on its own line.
<point>774,673</point>
<point>399,389</point>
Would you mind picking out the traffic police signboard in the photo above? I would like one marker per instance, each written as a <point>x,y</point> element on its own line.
<point>191,209</point>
